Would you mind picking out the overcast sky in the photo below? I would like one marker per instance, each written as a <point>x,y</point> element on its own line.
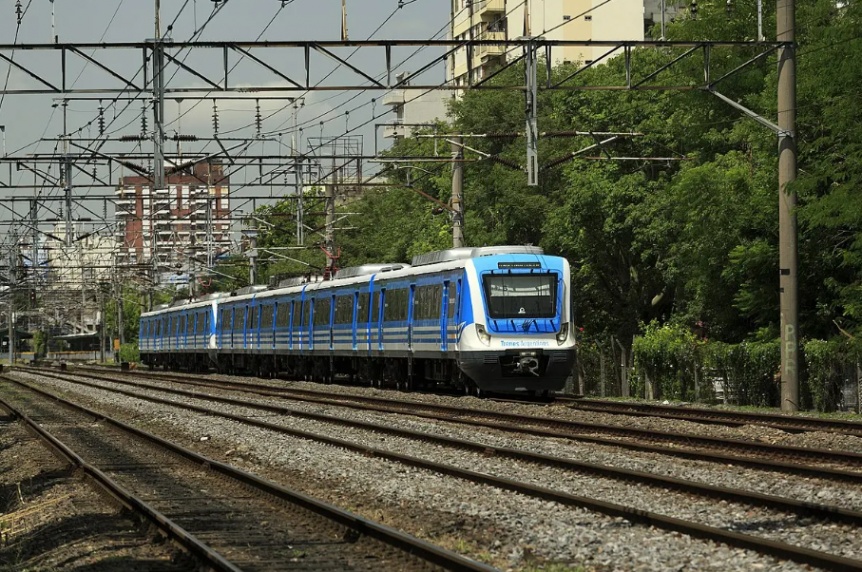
<point>27,118</point>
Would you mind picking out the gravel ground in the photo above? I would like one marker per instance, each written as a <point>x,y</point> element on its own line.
<point>771,435</point>
<point>51,520</point>
<point>506,529</point>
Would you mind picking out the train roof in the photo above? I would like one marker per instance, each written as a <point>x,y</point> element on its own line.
<point>465,253</point>
<point>452,258</point>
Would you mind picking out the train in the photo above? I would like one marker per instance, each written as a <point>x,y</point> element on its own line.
<point>493,319</point>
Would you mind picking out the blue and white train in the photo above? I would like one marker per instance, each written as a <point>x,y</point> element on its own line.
<point>480,319</point>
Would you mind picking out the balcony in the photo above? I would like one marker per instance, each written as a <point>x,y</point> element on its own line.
<point>395,97</point>
<point>491,6</point>
<point>487,52</point>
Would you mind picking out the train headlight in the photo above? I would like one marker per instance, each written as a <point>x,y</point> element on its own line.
<point>484,336</point>
<point>563,334</point>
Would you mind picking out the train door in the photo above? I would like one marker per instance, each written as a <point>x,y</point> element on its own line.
<point>380,307</point>
<point>444,321</point>
<point>310,313</point>
<point>290,322</point>
<point>331,321</point>
<point>410,312</point>
<point>357,310</point>
<point>454,314</point>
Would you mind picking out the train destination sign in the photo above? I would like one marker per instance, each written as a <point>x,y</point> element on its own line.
<point>507,265</point>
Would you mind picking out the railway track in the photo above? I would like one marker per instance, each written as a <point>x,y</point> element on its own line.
<point>821,463</point>
<point>652,519</point>
<point>230,519</point>
<point>795,423</point>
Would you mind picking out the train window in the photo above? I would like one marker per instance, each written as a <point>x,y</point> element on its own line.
<point>252,317</point>
<point>266,317</point>
<point>344,309</point>
<point>225,320</point>
<point>395,305</point>
<point>282,315</point>
<point>190,324</point>
<point>521,295</point>
<point>321,311</point>
<point>375,309</point>
<point>306,312</point>
<point>427,302</point>
<point>453,299</point>
<point>362,308</point>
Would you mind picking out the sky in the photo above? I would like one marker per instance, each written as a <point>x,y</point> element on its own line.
<point>28,118</point>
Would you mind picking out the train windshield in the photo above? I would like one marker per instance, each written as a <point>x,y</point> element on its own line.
<point>521,295</point>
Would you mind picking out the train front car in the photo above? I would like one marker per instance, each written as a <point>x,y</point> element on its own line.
<point>517,332</point>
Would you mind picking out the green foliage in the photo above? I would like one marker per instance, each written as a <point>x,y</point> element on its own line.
<point>747,372</point>
<point>825,363</point>
<point>667,357</point>
<point>40,344</point>
<point>691,239</point>
<point>130,353</point>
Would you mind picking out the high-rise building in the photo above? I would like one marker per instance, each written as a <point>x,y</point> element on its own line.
<point>574,20</point>
<point>188,218</point>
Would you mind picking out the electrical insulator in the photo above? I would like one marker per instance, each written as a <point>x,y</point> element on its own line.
<point>215,118</point>
<point>19,12</point>
<point>101,119</point>
<point>257,118</point>
<point>693,9</point>
<point>144,121</point>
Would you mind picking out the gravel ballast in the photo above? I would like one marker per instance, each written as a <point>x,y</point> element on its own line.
<point>507,529</point>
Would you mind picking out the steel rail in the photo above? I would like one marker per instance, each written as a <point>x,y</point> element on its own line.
<point>801,508</point>
<point>387,535</point>
<point>575,429</point>
<point>732,418</point>
<point>474,418</point>
<point>126,499</point>
<point>758,544</point>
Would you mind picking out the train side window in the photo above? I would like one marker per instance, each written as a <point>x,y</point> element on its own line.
<point>266,317</point>
<point>306,312</point>
<point>225,320</point>
<point>453,298</point>
<point>395,305</point>
<point>344,309</point>
<point>252,317</point>
<point>375,310</point>
<point>362,308</point>
<point>282,316</point>
<point>321,311</point>
<point>190,324</point>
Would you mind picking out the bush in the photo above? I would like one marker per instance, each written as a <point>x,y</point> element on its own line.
<point>130,353</point>
<point>667,359</point>
<point>825,361</point>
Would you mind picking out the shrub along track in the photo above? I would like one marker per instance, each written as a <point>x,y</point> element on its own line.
<point>800,509</point>
<point>230,519</point>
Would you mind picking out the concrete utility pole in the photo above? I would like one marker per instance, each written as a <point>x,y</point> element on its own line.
<point>457,190</point>
<point>787,230</point>
<point>13,279</point>
<point>329,232</point>
<point>158,135</point>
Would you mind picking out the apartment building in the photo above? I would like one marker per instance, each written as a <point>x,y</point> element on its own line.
<point>575,20</point>
<point>189,217</point>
